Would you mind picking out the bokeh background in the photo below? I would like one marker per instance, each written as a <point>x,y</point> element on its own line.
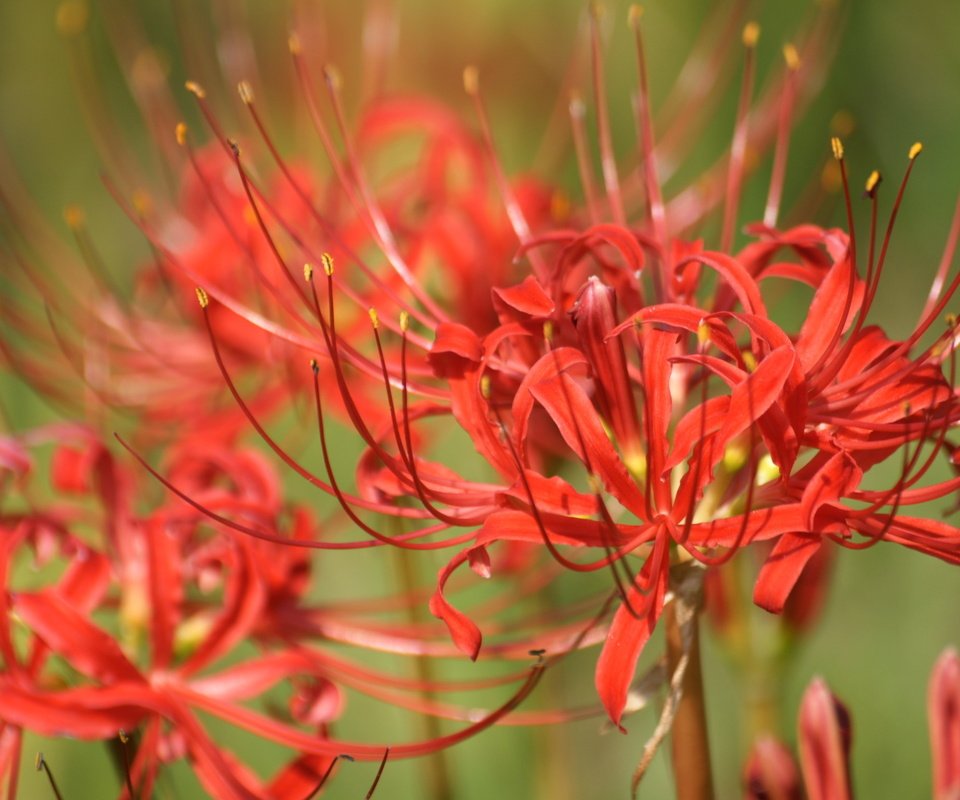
<point>890,611</point>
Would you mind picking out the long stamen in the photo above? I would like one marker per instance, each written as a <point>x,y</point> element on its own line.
<point>184,142</point>
<point>874,538</point>
<point>738,149</point>
<point>382,229</point>
<point>261,223</point>
<point>654,195</point>
<point>824,377</point>
<point>42,766</point>
<point>577,115</point>
<point>125,751</point>
<point>608,161</point>
<point>915,151</point>
<point>380,537</point>
<point>248,98</point>
<point>267,438</point>
<point>784,128</point>
<point>376,780</point>
<point>471,84</point>
<point>76,221</point>
<point>408,435</point>
<point>325,777</point>
<point>949,249</point>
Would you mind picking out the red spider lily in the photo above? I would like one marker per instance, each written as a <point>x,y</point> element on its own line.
<point>131,635</point>
<point>634,402</point>
<point>614,355</point>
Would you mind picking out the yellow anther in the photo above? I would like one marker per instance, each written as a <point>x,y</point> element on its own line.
<point>471,80</point>
<point>559,206</point>
<point>873,181</point>
<point>332,76</point>
<point>308,272</point>
<point>750,360</point>
<point>703,333</point>
<point>149,70</point>
<point>952,320</point>
<point>636,464</point>
<point>791,56</point>
<point>181,133</point>
<point>294,44</point>
<point>191,633</point>
<point>374,318</point>
<point>38,762</point>
<point>485,387</point>
<point>837,146</point>
<point>246,92</point>
<point>202,297</point>
<point>195,89</point>
<point>842,123</point>
<point>548,330</point>
<point>142,202</point>
<point>915,150</point>
<point>72,17</point>
<point>734,458</point>
<point>327,260</point>
<point>313,364</point>
<point>751,34</point>
<point>830,178</point>
<point>404,321</point>
<point>634,14</point>
<point>767,470</point>
<point>123,736</point>
<point>74,217</point>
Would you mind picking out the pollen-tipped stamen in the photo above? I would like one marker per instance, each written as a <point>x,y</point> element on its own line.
<point>381,228</point>
<point>323,222</point>
<point>518,220</point>
<point>577,111</point>
<point>42,766</point>
<point>741,130</point>
<point>608,160</point>
<point>784,128</point>
<point>651,180</point>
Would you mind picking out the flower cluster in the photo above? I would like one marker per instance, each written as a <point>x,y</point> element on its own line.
<point>121,621</point>
<point>637,411</point>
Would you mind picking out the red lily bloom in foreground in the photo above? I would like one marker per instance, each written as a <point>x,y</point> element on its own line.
<point>143,613</point>
<point>635,406</point>
<point>630,409</point>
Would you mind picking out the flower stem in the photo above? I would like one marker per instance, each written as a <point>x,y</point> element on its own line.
<point>690,748</point>
<point>436,773</point>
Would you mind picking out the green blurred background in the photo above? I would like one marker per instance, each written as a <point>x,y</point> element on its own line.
<point>890,611</point>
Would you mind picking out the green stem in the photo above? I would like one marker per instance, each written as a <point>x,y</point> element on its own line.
<point>690,747</point>
<point>435,768</point>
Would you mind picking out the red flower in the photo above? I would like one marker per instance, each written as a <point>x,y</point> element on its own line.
<point>144,613</point>
<point>686,419</point>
